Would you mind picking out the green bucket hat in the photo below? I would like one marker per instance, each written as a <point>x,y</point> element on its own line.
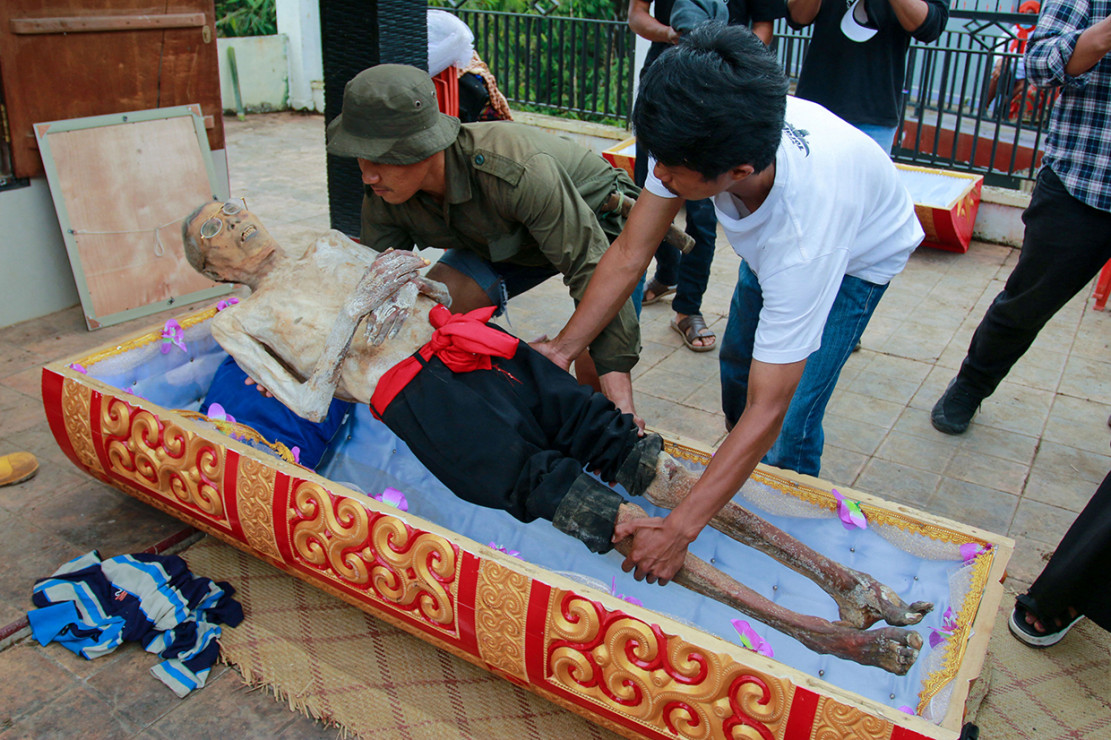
<point>390,116</point>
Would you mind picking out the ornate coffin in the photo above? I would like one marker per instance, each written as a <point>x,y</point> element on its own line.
<point>553,622</point>
<point>946,204</point>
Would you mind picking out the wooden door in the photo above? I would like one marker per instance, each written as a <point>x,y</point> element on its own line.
<point>79,58</point>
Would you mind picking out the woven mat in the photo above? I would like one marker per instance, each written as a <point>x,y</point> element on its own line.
<point>333,662</point>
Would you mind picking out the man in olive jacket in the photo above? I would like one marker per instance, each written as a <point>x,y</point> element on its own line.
<point>512,206</point>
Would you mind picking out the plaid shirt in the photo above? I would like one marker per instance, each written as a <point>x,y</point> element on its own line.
<point>1078,145</point>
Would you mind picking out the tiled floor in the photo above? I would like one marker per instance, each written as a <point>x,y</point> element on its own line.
<point>1033,456</point>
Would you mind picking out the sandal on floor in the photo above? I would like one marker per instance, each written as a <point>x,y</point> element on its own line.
<point>1028,633</point>
<point>694,327</point>
<point>658,291</point>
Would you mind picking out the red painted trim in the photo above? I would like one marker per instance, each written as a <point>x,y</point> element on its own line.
<point>536,622</point>
<point>902,733</point>
<point>228,494</point>
<point>465,594</point>
<point>279,511</point>
<point>800,721</point>
<point>52,385</point>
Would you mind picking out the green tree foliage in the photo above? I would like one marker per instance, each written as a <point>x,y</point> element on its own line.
<point>560,61</point>
<point>246,18</point>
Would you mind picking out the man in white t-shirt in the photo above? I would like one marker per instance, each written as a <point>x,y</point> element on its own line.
<point>816,210</point>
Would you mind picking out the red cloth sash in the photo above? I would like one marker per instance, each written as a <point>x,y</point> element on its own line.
<point>462,341</point>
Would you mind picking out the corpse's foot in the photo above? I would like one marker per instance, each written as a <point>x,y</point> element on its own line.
<point>893,649</point>
<point>869,601</point>
<point>672,482</point>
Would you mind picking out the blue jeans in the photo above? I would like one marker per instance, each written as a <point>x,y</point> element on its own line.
<point>882,135</point>
<point>800,441</point>
<point>690,272</point>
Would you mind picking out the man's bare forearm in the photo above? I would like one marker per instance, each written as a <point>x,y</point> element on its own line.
<point>803,12</point>
<point>1091,46</point>
<point>615,277</point>
<point>910,13</point>
<point>643,24</point>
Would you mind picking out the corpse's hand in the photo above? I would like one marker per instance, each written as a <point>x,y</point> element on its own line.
<point>658,551</point>
<point>386,293</point>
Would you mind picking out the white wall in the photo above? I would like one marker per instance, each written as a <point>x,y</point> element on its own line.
<point>36,278</point>
<point>299,21</point>
<point>263,66</point>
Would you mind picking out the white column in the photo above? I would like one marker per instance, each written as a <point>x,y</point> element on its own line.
<point>299,20</point>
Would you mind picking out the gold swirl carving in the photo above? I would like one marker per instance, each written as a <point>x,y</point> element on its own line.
<point>164,457</point>
<point>836,721</point>
<point>412,569</point>
<point>662,681</point>
<point>77,416</point>
<point>254,491</point>
<point>501,601</point>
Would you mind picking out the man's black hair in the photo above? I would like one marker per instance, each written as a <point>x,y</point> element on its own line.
<point>713,102</point>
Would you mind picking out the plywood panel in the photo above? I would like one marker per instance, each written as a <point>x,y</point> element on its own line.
<point>122,192</point>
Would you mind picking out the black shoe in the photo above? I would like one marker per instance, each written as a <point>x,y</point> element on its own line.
<point>954,410</point>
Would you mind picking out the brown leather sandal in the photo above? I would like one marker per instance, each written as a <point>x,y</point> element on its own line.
<point>658,291</point>
<point>694,327</point>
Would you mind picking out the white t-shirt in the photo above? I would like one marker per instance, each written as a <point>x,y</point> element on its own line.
<point>836,208</point>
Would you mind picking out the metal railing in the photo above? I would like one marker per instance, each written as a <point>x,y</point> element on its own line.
<point>555,64</point>
<point>584,68</point>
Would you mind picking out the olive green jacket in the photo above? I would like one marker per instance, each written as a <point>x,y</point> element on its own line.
<point>516,194</point>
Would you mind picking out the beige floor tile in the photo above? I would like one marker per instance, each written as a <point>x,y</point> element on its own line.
<point>1062,461</point>
<point>899,483</point>
<point>841,466</point>
<point>979,506</point>
<point>1040,370</point>
<point>864,408</point>
<point>1041,522</point>
<point>988,471</point>
<point>850,434</point>
<point>1015,408</point>
<point>1070,492</point>
<point>706,397</point>
<point>1026,563</point>
<point>891,388</point>
<point>691,424</point>
<point>932,456</point>
<point>1079,423</point>
<point>1087,379</point>
<point>669,386</point>
<point>996,443</point>
<point>918,341</point>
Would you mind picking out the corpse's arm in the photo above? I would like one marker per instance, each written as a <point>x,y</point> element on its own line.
<point>660,544</point>
<point>390,274</point>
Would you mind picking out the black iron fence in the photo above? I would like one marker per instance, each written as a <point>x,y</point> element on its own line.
<point>555,64</point>
<point>955,116</point>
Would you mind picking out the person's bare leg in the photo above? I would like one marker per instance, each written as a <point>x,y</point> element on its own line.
<point>861,599</point>
<point>585,372</point>
<point>893,649</point>
<point>466,294</point>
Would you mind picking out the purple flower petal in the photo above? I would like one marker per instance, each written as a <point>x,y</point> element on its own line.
<point>972,550</point>
<point>908,710</point>
<point>937,637</point>
<point>79,368</point>
<point>511,553</point>
<point>295,451</point>
<point>629,599</point>
<point>750,639</point>
<point>393,497</point>
<point>849,512</point>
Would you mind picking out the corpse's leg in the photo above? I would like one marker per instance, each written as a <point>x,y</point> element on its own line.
<point>893,649</point>
<point>861,599</point>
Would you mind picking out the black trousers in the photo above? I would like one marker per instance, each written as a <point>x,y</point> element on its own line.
<point>1065,244</point>
<point>515,437</point>
<point>1079,573</point>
